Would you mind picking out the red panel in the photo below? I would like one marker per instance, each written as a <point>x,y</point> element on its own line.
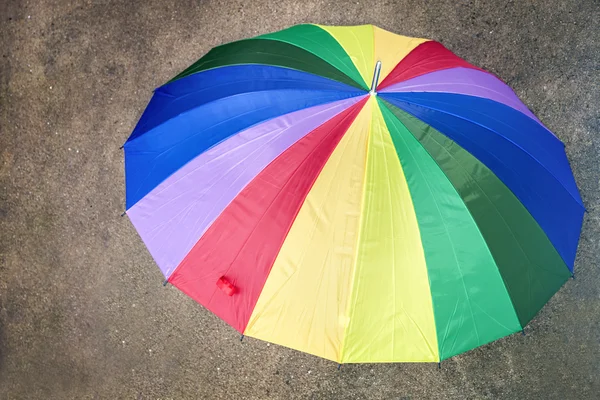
<point>427,57</point>
<point>240,247</point>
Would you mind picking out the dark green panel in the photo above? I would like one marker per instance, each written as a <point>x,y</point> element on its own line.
<point>528,262</point>
<point>268,52</point>
<point>319,42</point>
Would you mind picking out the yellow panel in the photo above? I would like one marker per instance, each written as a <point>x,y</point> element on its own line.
<point>391,314</point>
<point>390,49</point>
<point>357,41</point>
<point>304,303</point>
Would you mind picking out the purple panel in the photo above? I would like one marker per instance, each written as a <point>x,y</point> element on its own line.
<point>466,81</point>
<point>173,216</point>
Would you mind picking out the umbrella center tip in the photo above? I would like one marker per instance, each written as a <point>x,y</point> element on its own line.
<point>376,72</point>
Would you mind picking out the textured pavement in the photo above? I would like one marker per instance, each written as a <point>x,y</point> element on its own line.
<point>83,313</point>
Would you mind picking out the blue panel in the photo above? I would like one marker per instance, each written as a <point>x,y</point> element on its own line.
<point>153,156</point>
<point>488,134</point>
<point>194,90</point>
<point>515,126</point>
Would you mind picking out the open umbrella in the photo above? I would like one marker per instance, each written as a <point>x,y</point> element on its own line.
<point>354,194</point>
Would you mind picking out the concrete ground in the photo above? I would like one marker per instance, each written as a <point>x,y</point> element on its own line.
<point>83,313</point>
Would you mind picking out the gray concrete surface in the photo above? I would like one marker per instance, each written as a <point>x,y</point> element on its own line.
<point>83,313</point>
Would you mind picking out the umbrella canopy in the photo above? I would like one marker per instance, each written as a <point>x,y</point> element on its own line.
<point>354,194</point>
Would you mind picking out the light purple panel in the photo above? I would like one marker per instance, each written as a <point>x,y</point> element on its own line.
<point>466,81</point>
<point>173,216</point>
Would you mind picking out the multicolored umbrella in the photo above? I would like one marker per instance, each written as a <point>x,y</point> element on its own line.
<point>278,184</point>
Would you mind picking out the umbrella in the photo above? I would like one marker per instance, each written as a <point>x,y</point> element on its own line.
<point>353,194</point>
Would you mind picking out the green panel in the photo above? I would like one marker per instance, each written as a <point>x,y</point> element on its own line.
<point>470,302</point>
<point>319,42</point>
<point>268,52</point>
<point>531,267</point>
